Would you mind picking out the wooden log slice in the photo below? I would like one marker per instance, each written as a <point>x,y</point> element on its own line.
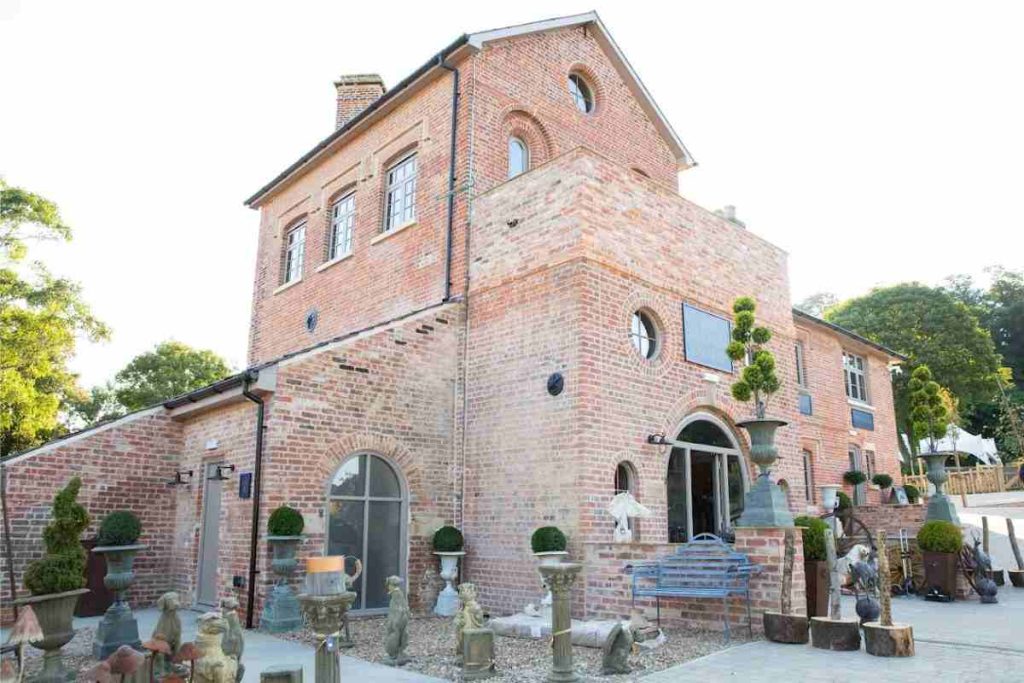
<point>835,634</point>
<point>889,641</point>
<point>785,628</point>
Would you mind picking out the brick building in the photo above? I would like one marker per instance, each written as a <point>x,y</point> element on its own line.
<point>474,303</point>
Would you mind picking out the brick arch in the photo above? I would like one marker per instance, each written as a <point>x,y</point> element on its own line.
<point>378,444</point>
<point>518,122</point>
<point>697,401</point>
<point>597,89</point>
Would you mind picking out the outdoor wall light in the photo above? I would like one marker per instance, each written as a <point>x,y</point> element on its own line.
<point>657,439</point>
<point>219,474</point>
<point>181,478</point>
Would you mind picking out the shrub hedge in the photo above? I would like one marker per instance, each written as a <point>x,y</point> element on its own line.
<point>285,521</point>
<point>813,531</point>
<point>548,539</point>
<point>938,536</point>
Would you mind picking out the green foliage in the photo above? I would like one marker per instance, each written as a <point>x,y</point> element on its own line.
<point>813,530</point>
<point>172,368</point>
<point>448,539</point>
<point>285,521</point>
<point>548,539</point>
<point>120,527</point>
<point>913,494</point>
<point>882,480</point>
<point>928,413</point>
<point>63,566</point>
<point>844,501</point>
<point>938,536</point>
<point>854,477</point>
<point>41,318</point>
<point>758,380</point>
<point>817,304</point>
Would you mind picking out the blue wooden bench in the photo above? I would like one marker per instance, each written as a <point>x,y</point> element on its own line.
<point>706,567</point>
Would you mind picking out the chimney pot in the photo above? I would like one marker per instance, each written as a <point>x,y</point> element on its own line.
<point>355,93</point>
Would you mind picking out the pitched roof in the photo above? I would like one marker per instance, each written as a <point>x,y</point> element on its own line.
<point>475,42</point>
<point>852,335</point>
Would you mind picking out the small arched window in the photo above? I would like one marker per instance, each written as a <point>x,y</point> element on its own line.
<point>518,157</point>
<point>582,95</point>
<point>644,335</point>
<point>624,479</point>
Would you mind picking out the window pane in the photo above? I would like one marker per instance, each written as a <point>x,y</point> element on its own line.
<point>351,478</point>
<point>401,194</point>
<point>708,433</point>
<point>705,337</point>
<point>383,480</point>
<point>518,160</point>
<point>736,497</point>
<point>383,554</point>
<point>678,507</point>
<point>345,532</point>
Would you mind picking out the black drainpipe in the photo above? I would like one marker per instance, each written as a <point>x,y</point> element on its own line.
<point>451,176</point>
<point>257,476</point>
<point>8,552</point>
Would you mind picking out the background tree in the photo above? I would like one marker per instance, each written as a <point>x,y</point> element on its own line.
<point>41,318</point>
<point>816,304</point>
<point>172,368</point>
<point>931,328</point>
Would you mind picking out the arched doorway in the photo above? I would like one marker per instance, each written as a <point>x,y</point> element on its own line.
<point>366,511</point>
<point>706,479</point>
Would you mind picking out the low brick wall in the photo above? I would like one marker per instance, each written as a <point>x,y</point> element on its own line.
<point>892,518</point>
<point>607,590</point>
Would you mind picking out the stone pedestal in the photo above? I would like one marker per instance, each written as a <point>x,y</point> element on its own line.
<point>324,615</point>
<point>477,654</point>
<point>118,626</point>
<point>281,612</point>
<point>559,579</point>
<point>765,504</point>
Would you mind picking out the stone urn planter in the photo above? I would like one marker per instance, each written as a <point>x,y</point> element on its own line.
<point>448,599</point>
<point>765,502</point>
<point>55,613</point>
<point>829,497</point>
<point>551,557</point>
<point>939,505</point>
<point>282,613</point>
<point>118,626</point>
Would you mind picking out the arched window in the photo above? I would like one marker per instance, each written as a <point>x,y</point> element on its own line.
<point>625,478</point>
<point>582,95</point>
<point>644,334</point>
<point>518,157</point>
<point>366,506</point>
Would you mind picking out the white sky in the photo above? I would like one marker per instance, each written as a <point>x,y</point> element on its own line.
<point>877,142</point>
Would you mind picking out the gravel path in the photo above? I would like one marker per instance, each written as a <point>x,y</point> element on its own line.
<point>77,655</point>
<point>432,641</point>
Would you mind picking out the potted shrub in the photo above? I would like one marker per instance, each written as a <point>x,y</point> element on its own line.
<point>884,484</point>
<point>56,581</point>
<point>448,544</point>
<point>284,527</point>
<point>549,544</point>
<point>765,503</point>
<point>930,419</point>
<point>815,566</point>
<point>855,478</point>
<point>119,532</point>
<point>913,494</point>
<point>940,543</point>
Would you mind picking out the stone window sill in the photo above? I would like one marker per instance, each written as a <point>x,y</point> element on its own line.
<point>337,259</point>
<point>288,285</point>
<point>384,235</point>
<point>860,404</point>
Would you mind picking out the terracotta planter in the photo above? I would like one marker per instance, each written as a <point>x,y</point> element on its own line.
<point>54,613</point>
<point>940,572</point>
<point>816,577</point>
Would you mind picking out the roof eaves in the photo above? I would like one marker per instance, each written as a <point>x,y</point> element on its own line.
<point>853,335</point>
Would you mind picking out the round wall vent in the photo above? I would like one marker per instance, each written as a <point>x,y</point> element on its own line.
<point>555,384</point>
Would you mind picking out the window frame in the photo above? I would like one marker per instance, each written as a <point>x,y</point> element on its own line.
<point>580,90</point>
<point>801,365</point>
<point>517,140</point>
<point>291,260</point>
<point>852,371</point>
<point>641,333</point>
<point>407,185</point>
<point>349,228</point>
<point>808,457</point>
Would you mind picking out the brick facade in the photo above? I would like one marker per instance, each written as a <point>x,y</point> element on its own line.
<point>547,270</point>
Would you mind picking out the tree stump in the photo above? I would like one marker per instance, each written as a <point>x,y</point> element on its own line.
<point>1016,577</point>
<point>785,628</point>
<point>835,634</point>
<point>889,641</point>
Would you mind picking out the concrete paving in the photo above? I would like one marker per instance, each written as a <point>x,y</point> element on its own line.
<point>997,507</point>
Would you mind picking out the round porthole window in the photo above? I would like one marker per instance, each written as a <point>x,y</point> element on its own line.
<point>582,95</point>
<point>643,334</point>
<point>312,318</point>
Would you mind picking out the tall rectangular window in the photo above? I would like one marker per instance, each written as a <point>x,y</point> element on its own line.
<point>855,377</point>
<point>295,253</point>
<point>801,371</point>
<point>343,216</point>
<point>400,198</point>
<point>869,462</point>
<point>705,337</point>
<point>809,476</point>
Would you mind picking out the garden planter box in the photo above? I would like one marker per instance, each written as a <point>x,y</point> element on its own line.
<point>940,572</point>
<point>816,576</point>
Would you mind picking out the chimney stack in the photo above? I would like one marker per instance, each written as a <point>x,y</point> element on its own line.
<point>355,93</point>
<point>728,212</point>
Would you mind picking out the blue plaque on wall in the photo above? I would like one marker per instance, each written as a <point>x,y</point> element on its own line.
<point>862,419</point>
<point>245,485</point>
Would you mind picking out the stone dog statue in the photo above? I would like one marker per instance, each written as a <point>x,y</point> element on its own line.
<point>234,642</point>
<point>396,627</point>
<point>213,666</point>
<point>470,615</point>
<point>168,629</point>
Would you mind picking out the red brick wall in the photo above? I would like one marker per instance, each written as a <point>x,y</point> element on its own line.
<point>123,466</point>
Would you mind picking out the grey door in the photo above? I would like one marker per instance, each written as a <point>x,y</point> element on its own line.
<point>857,463</point>
<point>209,541</point>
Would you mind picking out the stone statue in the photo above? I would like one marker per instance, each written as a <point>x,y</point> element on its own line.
<point>617,647</point>
<point>624,506</point>
<point>396,627</point>
<point>982,560</point>
<point>844,565</point>
<point>168,629</point>
<point>213,666</point>
<point>470,615</point>
<point>234,642</point>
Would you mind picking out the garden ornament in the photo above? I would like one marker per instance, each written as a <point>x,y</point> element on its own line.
<point>168,629</point>
<point>615,657</point>
<point>26,629</point>
<point>844,565</point>
<point>396,627</point>
<point>982,560</point>
<point>622,507</point>
<point>470,615</point>
<point>233,643</point>
<point>213,665</point>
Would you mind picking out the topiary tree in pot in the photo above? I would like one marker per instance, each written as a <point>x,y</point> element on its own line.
<point>765,503</point>
<point>884,483</point>
<point>56,580</point>
<point>940,542</point>
<point>930,420</point>
<point>549,544</point>
<point>282,612</point>
<point>815,566</point>
<point>448,543</point>
<point>119,532</point>
<point>913,494</point>
<point>856,479</point>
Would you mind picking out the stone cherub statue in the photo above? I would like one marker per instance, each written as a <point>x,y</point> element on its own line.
<point>234,641</point>
<point>396,627</point>
<point>168,629</point>
<point>470,615</point>
<point>622,507</point>
<point>213,666</point>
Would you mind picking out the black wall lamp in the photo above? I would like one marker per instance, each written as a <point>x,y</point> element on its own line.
<point>181,478</point>
<point>657,439</point>
<point>219,473</point>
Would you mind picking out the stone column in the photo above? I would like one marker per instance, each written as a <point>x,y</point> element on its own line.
<point>324,614</point>
<point>559,579</point>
